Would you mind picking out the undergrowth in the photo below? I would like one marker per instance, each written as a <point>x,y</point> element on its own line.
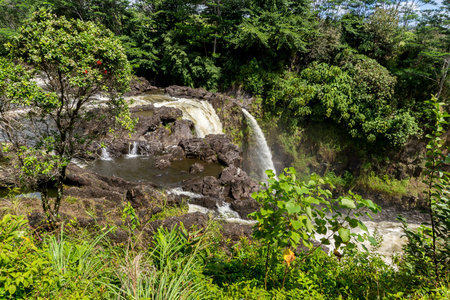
<point>183,264</point>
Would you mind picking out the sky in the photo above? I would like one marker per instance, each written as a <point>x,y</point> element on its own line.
<point>432,6</point>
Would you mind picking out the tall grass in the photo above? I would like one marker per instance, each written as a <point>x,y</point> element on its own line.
<point>77,263</point>
<point>169,271</point>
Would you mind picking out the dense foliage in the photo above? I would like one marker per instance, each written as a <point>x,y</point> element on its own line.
<point>367,66</point>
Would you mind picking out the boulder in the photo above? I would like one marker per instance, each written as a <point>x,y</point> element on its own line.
<point>139,85</point>
<point>196,168</point>
<point>208,186</point>
<point>162,163</point>
<point>237,184</point>
<point>208,202</point>
<point>176,152</point>
<point>197,148</point>
<point>245,207</point>
<point>235,232</point>
<point>168,114</point>
<point>147,124</point>
<point>227,152</point>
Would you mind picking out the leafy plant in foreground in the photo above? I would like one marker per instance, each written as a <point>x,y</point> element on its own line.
<point>294,212</point>
<point>431,245</point>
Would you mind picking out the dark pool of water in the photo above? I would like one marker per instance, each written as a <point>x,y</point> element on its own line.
<point>142,169</point>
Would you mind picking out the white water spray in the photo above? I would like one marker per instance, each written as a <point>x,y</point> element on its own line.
<point>200,112</point>
<point>105,154</point>
<point>262,151</point>
<point>225,211</point>
<point>133,150</point>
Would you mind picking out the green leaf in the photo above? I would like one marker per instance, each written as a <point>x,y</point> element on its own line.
<point>308,225</point>
<point>12,289</point>
<point>296,224</point>
<point>293,207</point>
<point>347,203</point>
<point>353,223</point>
<point>294,236</point>
<point>344,233</point>
<point>362,226</point>
<point>372,241</point>
<point>308,212</point>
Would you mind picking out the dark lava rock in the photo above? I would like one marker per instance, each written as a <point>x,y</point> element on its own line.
<point>182,130</point>
<point>196,168</point>
<point>208,202</point>
<point>207,186</point>
<point>147,124</point>
<point>168,114</point>
<point>118,236</point>
<point>237,184</point>
<point>245,207</point>
<point>176,152</point>
<point>227,152</point>
<point>193,148</point>
<point>37,220</point>
<point>235,232</point>
<point>162,163</point>
<point>139,85</point>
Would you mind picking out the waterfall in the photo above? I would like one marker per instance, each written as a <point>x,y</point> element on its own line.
<point>105,154</point>
<point>133,149</point>
<point>261,151</point>
<point>200,112</point>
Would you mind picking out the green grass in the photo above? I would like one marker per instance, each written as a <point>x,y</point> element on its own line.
<point>386,185</point>
<point>172,211</point>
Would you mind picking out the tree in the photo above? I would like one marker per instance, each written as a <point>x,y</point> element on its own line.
<point>77,61</point>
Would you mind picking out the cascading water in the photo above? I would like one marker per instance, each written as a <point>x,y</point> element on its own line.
<point>133,149</point>
<point>262,153</point>
<point>224,211</point>
<point>200,112</point>
<point>105,154</point>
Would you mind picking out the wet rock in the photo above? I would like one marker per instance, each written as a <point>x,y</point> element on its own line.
<point>207,186</point>
<point>168,114</point>
<point>147,124</point>
<point>237,184</point>
<point>193,148</point>
<point>227,152</point>
<point>245,207</point>
<point>162,163</point>
<point>140,108</point>
<point>145,195</point>
<point>139,85</point>
<point>197,148</point>
<point>183,129</point>
<point>115,149</point>
<point>150,147</point>
<point>196,168</point>
<point>208,202</point>
<point>176,152</point>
